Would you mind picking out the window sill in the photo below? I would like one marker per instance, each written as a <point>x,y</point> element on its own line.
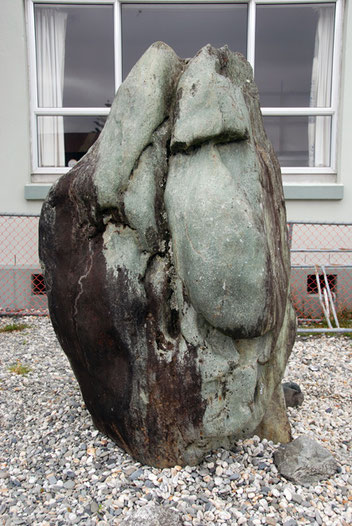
<point>36,191</point>
<point>309,191</point>
<point>303,191</point>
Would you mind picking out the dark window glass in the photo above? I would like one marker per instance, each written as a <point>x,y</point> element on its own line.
<point>79,134</point>
<point>75,55</point>
<point>288,38</point>
<point>186,28</point>
<point>312,285</point>
<point>299,141</point>
<point>37,284</point>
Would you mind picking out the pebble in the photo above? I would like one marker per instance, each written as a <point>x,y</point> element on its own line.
<point>56,468</point>
<point>69,484</point>
<point>288,494</point>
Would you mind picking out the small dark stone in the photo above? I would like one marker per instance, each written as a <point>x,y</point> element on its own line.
<point>265,490</point>
<point>15,483</point>
<point>297,498</point>
<point>136,474</point>
<point>293,394</point>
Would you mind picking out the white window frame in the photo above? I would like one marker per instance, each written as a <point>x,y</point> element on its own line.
<point>294,174</point>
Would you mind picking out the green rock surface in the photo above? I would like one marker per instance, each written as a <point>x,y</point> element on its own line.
<point>167,264</point>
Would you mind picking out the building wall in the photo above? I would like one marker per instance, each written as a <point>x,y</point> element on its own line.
<point>14,110</point>
<point>15,133</point>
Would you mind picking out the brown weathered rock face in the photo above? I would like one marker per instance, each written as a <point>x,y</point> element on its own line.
<point>166,262</point>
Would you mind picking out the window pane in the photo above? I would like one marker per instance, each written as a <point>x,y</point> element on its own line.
<point>294,49</point>
<point>300,141</point>
<point>186,28</point>
<point>62,141</point>
<point>75,55</point>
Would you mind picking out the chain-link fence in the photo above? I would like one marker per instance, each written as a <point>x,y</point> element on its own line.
<point>321,274</point>
<point>22,289</point>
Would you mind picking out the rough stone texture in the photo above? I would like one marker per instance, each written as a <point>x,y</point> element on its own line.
<point>275,423</point>
<point>151,515</point>
<point>293,394</point>
<point>305,461</point>
<point>166,261</point>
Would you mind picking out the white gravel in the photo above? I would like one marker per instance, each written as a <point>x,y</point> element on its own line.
<point>56,469</point>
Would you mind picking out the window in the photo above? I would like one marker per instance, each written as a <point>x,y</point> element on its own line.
<point>80,50</point>
<point>73,82</point>
<point>294,74</point>
<point>312,284</point>
<point>186,28</point>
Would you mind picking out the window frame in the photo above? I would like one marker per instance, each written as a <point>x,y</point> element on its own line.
<point>290,174</point>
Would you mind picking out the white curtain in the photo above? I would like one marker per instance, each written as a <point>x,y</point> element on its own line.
<point>319,128</point>
<point>50,41</point>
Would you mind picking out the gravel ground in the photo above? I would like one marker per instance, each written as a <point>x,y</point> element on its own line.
<point>55,468</point>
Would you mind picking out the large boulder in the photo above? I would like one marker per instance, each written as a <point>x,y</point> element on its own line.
<point>167,265</point>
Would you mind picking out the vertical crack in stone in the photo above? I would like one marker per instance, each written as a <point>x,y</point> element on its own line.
<point>80,281</point>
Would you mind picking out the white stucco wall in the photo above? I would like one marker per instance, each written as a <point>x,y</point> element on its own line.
<point>15,135</point>
<point>14,110</point>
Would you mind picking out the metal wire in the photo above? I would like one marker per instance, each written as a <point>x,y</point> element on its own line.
<point>322,244</point>
<point>22,288</point>
<point>328,247</point>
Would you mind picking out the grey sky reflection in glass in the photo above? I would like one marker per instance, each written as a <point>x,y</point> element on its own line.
<point>289,137</point>
<point>285,43</point>
<point>89,55</point>
<point>89,61</point>
<point>186,28</point>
